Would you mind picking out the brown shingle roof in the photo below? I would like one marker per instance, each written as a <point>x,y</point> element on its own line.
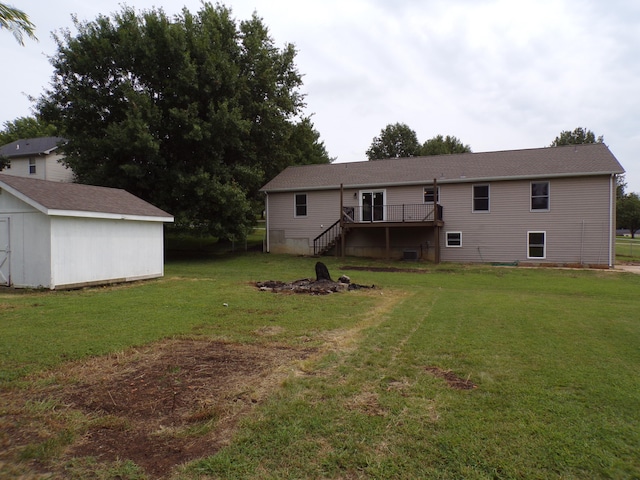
<point>572,160</point>
<point>75,197</point>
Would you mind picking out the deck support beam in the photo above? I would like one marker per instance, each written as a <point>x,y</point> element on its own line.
<point>388,242</point>
<point>341,213</point>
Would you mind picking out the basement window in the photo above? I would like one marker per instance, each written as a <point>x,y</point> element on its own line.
<point>536,244</point>
<point>454,239</point>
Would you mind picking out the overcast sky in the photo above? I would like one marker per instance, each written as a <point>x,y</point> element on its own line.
<point>497,74</point>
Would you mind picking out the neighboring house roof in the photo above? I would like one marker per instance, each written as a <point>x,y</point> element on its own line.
<point>78,200</point>
<point>565,161</point>
<point>30,147</point>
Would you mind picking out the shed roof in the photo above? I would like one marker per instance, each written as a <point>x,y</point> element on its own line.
<point>78,200</point>
<point>29,147</point>
<point>565,161</point>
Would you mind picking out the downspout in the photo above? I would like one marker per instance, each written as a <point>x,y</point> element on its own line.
<point>612,221</point>
<point>266,222</point>
<point>582,244</point>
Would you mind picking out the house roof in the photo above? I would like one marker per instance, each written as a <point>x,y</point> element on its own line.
<point>565,161</point>
<point>29,147</point>
<point>78,200</point>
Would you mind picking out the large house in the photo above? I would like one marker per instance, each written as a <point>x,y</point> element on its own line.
<point>36,158</point>
<point>551,205</point>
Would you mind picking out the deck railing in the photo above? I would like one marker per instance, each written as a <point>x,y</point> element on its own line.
<point>416,212</point>
<point>326,239</point>
<point>419,212</point>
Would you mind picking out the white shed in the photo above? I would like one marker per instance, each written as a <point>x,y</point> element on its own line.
<point>64,235</point>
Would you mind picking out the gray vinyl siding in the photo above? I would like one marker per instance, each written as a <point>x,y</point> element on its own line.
<point>291,234</point>
<point>576,225</point>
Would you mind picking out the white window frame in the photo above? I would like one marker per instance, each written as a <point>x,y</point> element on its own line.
<point>32,166</point>
<point>544,244</point>
<point>473,197</point>
<point>453,245</point>
<point>437,193</point>
<point>548,197</point>
<point>295,205</point>
<point>361,193</point>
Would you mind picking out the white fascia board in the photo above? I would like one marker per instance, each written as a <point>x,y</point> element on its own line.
<point>104,215</point>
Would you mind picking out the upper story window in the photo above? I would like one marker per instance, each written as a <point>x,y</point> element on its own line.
<point>300,205</point>
<point>431,194</point>
<point>539,195</point>
<point>32,166</point>
<point>481,198</point>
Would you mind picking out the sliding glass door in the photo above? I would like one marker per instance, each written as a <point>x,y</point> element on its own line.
<point>372,206</point>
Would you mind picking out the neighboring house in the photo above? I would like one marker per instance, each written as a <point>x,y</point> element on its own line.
<point>55,234</point>
<point>36,158</point>
<point>548,205</point>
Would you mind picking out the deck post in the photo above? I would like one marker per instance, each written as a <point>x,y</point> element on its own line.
<point>341,217</point>
<point>386,234</point>
<point>436,222</point>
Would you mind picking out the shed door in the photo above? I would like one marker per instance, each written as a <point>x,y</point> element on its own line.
<point>5,251</point>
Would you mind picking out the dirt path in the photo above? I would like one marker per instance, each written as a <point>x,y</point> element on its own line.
<point>159,406</point>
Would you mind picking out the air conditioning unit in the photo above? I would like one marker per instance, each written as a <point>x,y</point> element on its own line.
<point>410,255</point>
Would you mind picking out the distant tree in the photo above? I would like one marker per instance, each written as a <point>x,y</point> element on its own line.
<point>621,186</point>
<point>394,141</point>
<point>17,22</point>
<point>26,127</point>
<point>193,113</point>
<point>439,145</point>
<point>578,136</point>
<point>628,213</point>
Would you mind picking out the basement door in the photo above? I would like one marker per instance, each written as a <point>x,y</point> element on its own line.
<point>5,252</point>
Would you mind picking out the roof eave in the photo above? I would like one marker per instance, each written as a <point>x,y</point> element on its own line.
<point>108,216</point>
<point>440,181</point>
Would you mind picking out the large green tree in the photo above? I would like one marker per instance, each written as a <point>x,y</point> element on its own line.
<point>628,213</point>
<point>399,140</point>
<point>394,141</point>
<point>25,127</point>
<point>17,22</point>
<point>577,136</point>
<point>192,113</point>
<point>440,145</point>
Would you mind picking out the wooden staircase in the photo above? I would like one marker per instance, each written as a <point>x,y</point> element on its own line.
<point>328,239</point>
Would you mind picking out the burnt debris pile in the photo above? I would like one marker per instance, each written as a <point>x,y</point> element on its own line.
<point>322,285</point>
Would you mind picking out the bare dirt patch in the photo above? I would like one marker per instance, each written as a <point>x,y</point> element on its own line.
<point>453,380</point>
<point>159,406</point>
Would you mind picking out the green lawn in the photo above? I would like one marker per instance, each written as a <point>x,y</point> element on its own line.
<point>627,249</point>
<point>555,355</point>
